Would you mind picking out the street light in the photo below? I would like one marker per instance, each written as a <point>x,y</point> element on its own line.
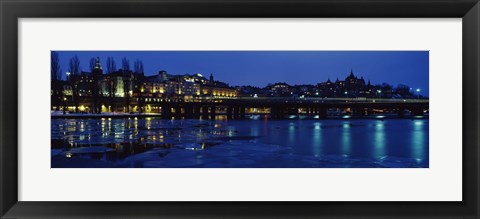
<point>418,93</point>
<point>64,105</point>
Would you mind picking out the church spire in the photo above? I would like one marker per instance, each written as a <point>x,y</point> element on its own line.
<point>97,63</point>
<point>351,73</point>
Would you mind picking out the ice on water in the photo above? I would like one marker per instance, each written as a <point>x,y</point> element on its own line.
<point>153,143</point>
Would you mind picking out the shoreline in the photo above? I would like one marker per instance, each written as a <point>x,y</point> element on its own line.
<point>291,117</point>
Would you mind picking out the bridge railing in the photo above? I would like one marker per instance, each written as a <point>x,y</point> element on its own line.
<point>317,99</point>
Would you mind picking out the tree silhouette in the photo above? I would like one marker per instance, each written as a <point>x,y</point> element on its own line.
<point>111,68</point>
<point>55,74</point>
<point>55,70</point>
<point>92,63</point>
<point>138,66</point>
<point>74,69</point>
<point>111,65</point>
<point>126,82</point>
<point>125,64</point>
<point>74,65</point>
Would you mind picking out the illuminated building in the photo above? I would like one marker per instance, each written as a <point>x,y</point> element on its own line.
<point>279,89</point>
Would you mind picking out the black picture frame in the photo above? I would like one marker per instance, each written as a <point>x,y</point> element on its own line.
<point>12,10</point>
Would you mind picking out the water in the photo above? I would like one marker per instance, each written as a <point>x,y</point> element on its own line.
<point>260,142</point>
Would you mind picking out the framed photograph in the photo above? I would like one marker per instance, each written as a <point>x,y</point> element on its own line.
<point>239,109</point>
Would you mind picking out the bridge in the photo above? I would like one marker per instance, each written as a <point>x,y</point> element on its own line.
<point>279,107</point>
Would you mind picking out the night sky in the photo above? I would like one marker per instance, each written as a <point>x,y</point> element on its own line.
<point>259,68</point>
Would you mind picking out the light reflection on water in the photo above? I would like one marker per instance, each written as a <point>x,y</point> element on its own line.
<point>419,140</point>
<point>379,141</point>
<point>250,143</point>
<point>317,139</point>
<point>346,138</point>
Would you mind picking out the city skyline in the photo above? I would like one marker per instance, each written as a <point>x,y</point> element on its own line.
<point>260,68</point>
<point>187,109</point>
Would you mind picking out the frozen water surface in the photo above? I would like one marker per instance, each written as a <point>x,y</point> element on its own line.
<point>250,143</point>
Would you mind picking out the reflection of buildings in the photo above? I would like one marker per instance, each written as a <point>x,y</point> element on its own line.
<point>127,91</point>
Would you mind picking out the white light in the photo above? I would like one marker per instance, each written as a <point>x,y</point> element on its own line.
<point>418,90</point>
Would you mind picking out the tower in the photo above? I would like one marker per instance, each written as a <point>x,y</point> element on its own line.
<point>350,81</point>
<point>211,78</point>
<point>97,63</point>
<point>96,87</point>
<point>351,74</point>
<point>163,75</point>
<point>98,68</point>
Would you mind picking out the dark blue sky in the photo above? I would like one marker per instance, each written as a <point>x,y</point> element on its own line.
<point>260,68</point>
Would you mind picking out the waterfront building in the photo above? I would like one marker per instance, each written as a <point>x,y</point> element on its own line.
<point>129,91</point>
<point>279,89</point>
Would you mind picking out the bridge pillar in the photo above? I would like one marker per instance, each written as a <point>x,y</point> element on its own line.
<point>292,110</point>
<point>205,112</point>
<point>178,112</point>
<point>196,112</point>
<point>272,112</point>
<point>188,112</point>
<point>358,111</point>
<point>401,112</point>
<point>322,112</point>
<point>166,112</point>
<point>281,111</point>
<point>236,112</point>
<point>417,112</point>
<point>213,112</point>
<point>278,112</point>
<point>229,112</point>
<point>369,111</point>
<point>242,112</point>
